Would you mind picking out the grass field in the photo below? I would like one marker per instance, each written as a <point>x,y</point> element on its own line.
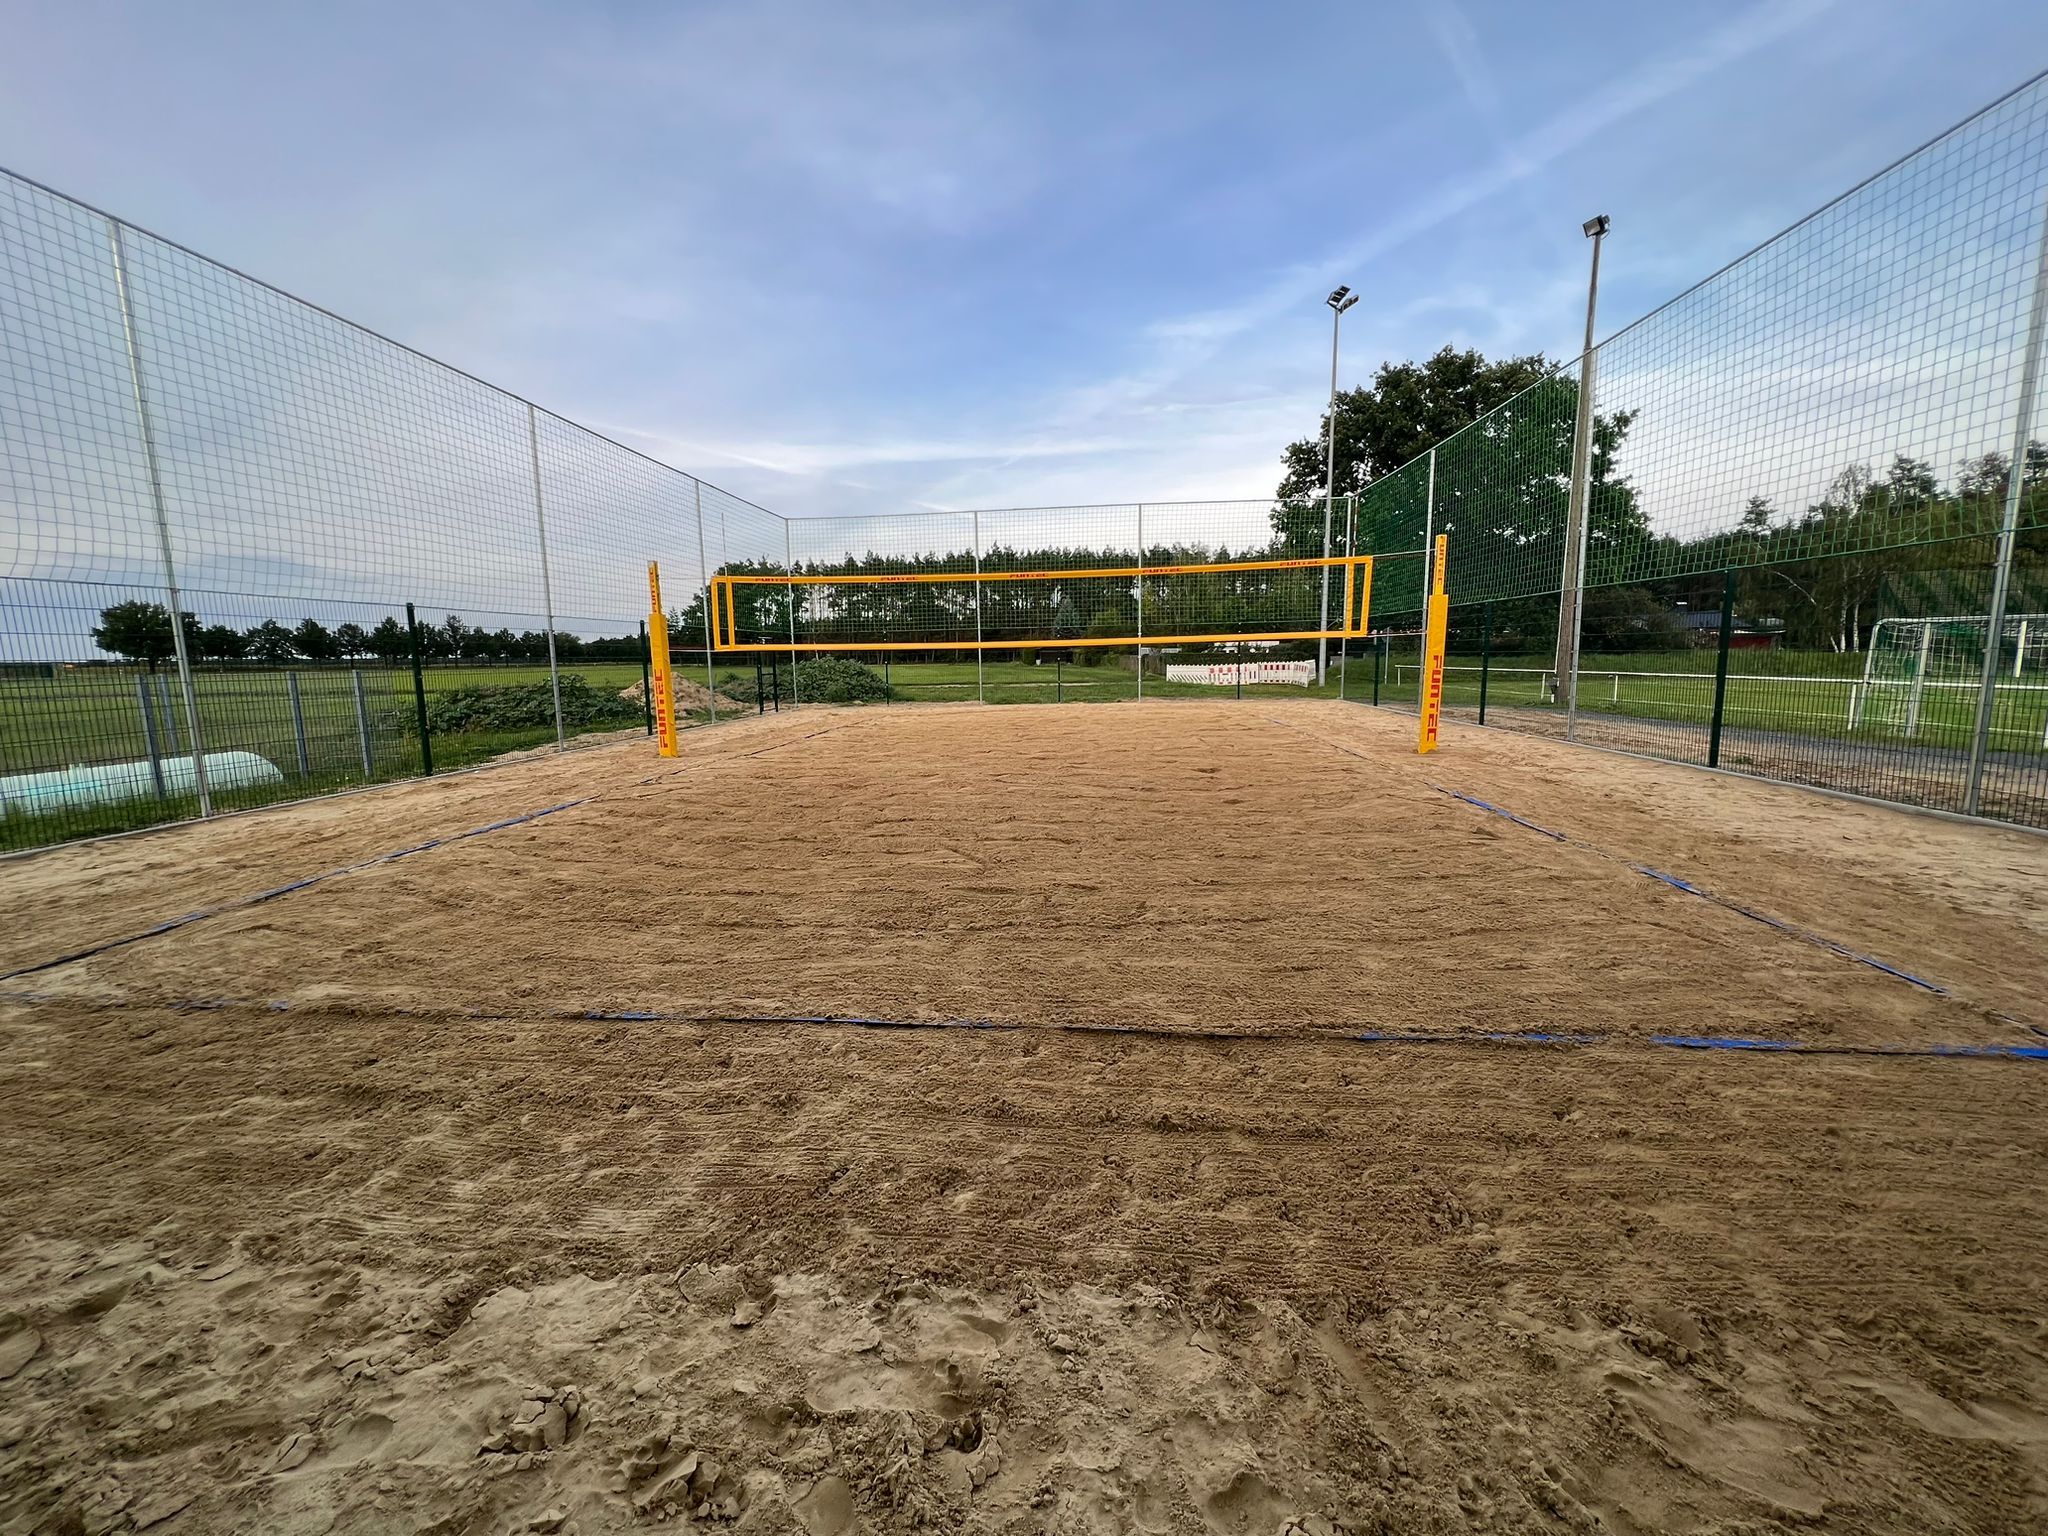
<point>94,715</point>
<point>542,1178</point>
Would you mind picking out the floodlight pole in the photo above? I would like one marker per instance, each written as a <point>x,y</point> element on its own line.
<point>2008,527</point>
<point>1338,302</point>
<point>1572,581</point>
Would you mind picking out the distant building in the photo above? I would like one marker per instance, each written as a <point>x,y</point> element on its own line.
<point>1703,627</point>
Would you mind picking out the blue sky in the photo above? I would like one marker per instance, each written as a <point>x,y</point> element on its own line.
<point>864,258</point>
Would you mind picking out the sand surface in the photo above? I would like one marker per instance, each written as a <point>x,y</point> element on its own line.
<point>337,1212</point>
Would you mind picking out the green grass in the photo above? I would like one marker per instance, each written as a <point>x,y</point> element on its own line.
<point>92,715</point>
<point>1782,695</point>
<point>1802,692</point>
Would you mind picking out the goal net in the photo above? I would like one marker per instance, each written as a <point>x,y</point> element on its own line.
<point>1216,603</point>
<point>1921,676</point>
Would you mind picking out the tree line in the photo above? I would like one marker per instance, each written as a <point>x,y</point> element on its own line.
<point>141,632</point>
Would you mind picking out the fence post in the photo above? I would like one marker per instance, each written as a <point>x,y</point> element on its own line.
<point>1141,600</point>
<point>1571,586</point>
<point>147,702</point>
<point>2008,527</point>
<point>760,687</point>
<point>1485,654</point>
<point>363,726</point>
<point>1378,656</point>
<point>168,712</point>
<point>419,693</point>
<point>547,583</point>
<point>980,692</point>
<point>163,518</point>
<point>789,564</point>
<point>647,676</point>
<point>1721,668</point>
<point>291,688</point>
<point>1059,681</point>
<point>710,677</point>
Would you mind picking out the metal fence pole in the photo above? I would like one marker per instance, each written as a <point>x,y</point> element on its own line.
<point>704,565</point>
<point>163,518</point>
<point>789,565</point>
<point>1379,653</point>
<point>1720,668</point>
<point>363,726</point>
<point>1141,600</point>
<point>291,688</point>
<point>1485,655</point>
<point>1350,553</point>
<point>167,712</point>
<point>2008,527</point>
<point>147,701</point>
<point>419,693</point>
<point>1571,583</point>
<point>547,583</point>
<point>980,691</point>
<point>647,676</point>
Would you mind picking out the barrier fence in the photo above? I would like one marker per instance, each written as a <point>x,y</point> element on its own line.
<point>1813,506</point>
<point>1816,504</point>
<point>379,564</point>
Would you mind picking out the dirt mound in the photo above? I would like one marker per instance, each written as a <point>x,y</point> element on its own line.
<point>689,696</point>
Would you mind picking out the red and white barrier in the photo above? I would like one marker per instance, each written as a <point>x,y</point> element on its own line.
<point>1229,674</point>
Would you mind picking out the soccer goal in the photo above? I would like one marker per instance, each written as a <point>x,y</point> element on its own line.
<point>1921,676</point>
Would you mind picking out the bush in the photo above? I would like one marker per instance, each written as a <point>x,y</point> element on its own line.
<point>819,680</point>
<point>513,706</point>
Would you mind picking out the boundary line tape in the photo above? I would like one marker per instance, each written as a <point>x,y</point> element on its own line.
<point>1528,1038</point>
<point>1676,882</point>
<point>171,925</point>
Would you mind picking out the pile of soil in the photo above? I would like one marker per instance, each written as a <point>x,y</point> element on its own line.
<point>689,696</point>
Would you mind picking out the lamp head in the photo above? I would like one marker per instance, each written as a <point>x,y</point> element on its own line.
<point>1595,227</point>
<point>1341,298</point>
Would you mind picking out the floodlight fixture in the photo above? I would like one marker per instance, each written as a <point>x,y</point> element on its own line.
<point>1596,226</point>
<point>1341,299</point>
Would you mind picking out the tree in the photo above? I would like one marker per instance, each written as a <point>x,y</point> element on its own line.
<point>141,631</point>
<point>1407,410</point>
<point>313,641</point>
<point>351,641</point>
<point>222,642</point>
<point>389,641</point>
<point>270,643</point>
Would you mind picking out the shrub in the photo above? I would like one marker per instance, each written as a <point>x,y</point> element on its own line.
<point>513,706</point>
<point>819,680</point>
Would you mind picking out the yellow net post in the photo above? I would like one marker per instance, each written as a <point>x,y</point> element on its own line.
<point>1433,652</point>
<point>664,686</point>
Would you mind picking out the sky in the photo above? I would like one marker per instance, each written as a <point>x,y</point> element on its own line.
<point>866,258</point>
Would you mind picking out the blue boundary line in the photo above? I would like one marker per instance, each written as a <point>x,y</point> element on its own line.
<point>259,897</point>
<point>1541,1039</point>
<point>1679,883</point>
<point>171,925</point>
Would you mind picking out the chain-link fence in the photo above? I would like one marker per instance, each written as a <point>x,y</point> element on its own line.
<point>1815,505</point>
<point>380,566</point>
<point>1813,511</point>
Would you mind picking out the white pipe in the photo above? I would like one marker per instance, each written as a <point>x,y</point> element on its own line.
<point>38,794</point>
